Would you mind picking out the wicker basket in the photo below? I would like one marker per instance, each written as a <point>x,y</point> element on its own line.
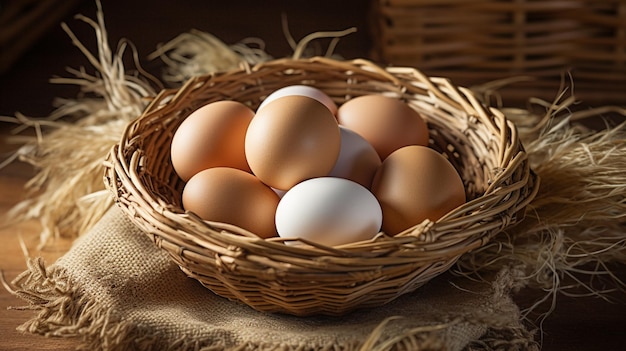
<point>271,276</point>
<point>474,42</point>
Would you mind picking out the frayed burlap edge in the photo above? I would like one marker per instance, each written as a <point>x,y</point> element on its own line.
<point>66,311</point>
<point>505,330</point>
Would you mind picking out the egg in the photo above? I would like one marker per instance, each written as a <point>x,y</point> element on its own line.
<point>278,192</point>
<point>328,211</point>
<point>358,161</point>
<point>385,122</point>
<point>415,183</point>
<point>291,139</point>
<point>302,90</point>
<point>233,196</point>
<point>211,136</point>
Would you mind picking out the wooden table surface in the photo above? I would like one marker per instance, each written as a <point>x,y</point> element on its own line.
<point>576,324</point>
<point>13,262</point>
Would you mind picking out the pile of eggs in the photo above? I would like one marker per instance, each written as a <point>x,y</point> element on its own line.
<point>302,167</point>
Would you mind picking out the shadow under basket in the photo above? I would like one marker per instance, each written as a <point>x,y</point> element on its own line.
<point>269,275</point>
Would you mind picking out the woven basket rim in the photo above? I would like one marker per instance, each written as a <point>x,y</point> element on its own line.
<point>235,256</point>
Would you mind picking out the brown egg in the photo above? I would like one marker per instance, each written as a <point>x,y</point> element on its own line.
<point>211,136</point>
<point>385,122</point>
<point>232,196</point>
<point>415,183</point>
<point>291,139</point>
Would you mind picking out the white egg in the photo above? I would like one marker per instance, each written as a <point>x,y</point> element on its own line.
<point>357,161</point>
<point>328,211</point>
<point>302,90</point>
<point>279,192</point>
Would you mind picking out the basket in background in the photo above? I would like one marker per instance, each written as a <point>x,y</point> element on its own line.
<point>270,276</point>
<point>478,41</point>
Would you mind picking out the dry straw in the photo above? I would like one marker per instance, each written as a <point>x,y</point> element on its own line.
<point>271,276</point>
<point>573,232</point>
<point>66,194</point>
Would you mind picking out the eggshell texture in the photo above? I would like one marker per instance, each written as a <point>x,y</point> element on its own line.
<point>358,161</point>
<point>230,195</point>
<point>211,136</point>
<point>413,184</point>
<point>329,211</point>
<point>385,122</point>
<point>302,90</point>
<point>291,139</point>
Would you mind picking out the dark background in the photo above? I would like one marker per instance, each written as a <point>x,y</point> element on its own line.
<point>24,87</point>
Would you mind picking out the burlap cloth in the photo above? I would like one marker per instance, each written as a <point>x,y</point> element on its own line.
<point>115,290</point>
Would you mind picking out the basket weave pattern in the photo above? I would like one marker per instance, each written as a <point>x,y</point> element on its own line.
<point>270,276</point>
<point>474,42</point>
